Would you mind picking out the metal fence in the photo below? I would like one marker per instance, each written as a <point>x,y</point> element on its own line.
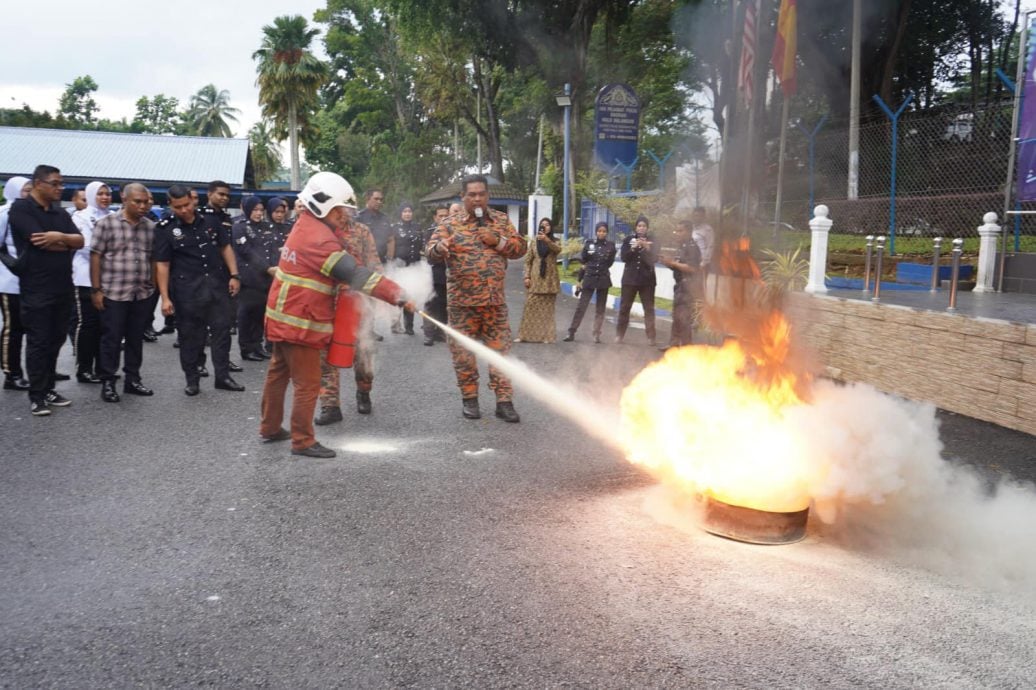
<point>950,170</point>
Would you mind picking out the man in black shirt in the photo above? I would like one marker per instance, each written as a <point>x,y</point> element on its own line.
<point>378,223</point>
<point>46,238</point>
<point>197,275</point>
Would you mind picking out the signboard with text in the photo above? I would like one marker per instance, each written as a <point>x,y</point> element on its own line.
<point>616,125</point>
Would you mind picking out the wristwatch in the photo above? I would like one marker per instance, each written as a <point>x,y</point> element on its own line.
<point>235,276</point>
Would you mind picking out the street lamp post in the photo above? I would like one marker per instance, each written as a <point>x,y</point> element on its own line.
<point>565,101</point>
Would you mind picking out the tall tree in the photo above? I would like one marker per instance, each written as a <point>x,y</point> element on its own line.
<point>158,115</point>
<point>209,112</point>
<point>266,159</point>
<point>77,104</point>
<point>289,77</point>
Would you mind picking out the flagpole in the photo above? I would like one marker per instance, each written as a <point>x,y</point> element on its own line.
<point>780,166</point>
<point>747,191</point>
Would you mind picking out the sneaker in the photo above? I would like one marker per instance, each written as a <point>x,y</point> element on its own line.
<point>39,409</point>
<point>314,451</point>
<point>55,399</point>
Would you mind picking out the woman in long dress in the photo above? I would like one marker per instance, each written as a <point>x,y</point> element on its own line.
<point>541,286</point>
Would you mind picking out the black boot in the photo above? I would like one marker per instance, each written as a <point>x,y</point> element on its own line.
<point>363,402</point>
<point>108,393</point>
<point>505,411</point>
<point>470,408</point>
<point>328,415</point>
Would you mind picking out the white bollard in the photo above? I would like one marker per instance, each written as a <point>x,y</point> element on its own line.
<point>989,233</point>
<point>820,224</point>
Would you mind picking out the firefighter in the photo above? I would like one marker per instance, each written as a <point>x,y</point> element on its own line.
<point>301,307</point>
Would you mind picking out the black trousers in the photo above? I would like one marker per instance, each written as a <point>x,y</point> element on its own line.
<point>123,321</point>
<point>436,308</point>
<point>683,314</point>
<point>194,321</point>
<point>11,335</point>
<point>584,301</point>
<point>45,319</point>
<point>84,330</point>
<point>251,312</point>
<point>647,298</point>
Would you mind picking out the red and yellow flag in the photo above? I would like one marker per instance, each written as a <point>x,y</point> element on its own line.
<point>783,58</point>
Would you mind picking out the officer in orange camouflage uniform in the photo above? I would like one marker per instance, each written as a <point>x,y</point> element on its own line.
<point>476,245</point>
<point>356,238</point>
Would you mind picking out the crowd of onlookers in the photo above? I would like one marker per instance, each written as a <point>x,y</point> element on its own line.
<point>94,273</point>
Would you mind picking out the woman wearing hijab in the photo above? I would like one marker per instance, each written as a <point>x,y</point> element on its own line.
<point>542,286</point>
<point>639,254</point>
<point>277,211</point>
<point>409,243</point>
<point>595,279</point>
<point>85,328</point>
<point>12,333</point>
<point>256,245</point>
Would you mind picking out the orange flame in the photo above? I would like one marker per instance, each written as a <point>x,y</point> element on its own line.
<point>711,420</point>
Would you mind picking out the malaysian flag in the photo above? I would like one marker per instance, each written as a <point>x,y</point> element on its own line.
<point>748,43</point>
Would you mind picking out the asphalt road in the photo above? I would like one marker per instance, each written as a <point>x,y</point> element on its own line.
<point>157,543</point>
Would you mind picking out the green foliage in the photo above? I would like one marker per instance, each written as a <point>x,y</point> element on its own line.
<point>209,113</point>
<point>158,115</point>
<point>785,272</point>
<point>266,159</point>
<point>289,75</point>
<point>77,104</point>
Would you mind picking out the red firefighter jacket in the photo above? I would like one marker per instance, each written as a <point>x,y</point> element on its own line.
<point>301,303</point>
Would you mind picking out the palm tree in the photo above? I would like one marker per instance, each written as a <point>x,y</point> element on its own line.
<point>209,111</point>
<point>289,76</point>
<point>266,159</point>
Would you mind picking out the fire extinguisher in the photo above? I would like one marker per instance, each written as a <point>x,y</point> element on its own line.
<point>342,351</point>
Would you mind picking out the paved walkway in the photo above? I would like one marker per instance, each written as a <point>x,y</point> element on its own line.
<point>1007,306</point>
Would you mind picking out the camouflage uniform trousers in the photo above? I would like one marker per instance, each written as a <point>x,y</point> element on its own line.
<point>490,326</point>
<point>363,368</point>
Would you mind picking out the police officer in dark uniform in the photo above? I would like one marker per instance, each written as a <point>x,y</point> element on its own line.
<point>215,213</point>
<point>197,273</point>
<point>436,304</point>
<point>257,246</point>
<point>595,279</point>
<point>277,212</point>
<point>688,278</point>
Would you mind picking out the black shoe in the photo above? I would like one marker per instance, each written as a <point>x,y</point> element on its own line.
<point>229,384</point>
<point>470,408</point>
<point>569,338</point>
<point>88,377</point>
<point>378,336</point>
<point>409,331</point>
<point>39,409</point>
<point>314,451</point>
<point>363,402</point>
<point>176,343</point>
<point>166,330</point>
<point>137,388</point>
<point>505,411</point>
<point>55,399</point>
<point>62,377</point>
<point>252,357</point>
<point>281,434</point>
<point>202,371</point>
<point>192,389</point>
<point>234,367</point>
<point>108,393</point>
<point>15,383</point>
<point>150,336</point>
<point>328,415</point>
<point>429,341</point>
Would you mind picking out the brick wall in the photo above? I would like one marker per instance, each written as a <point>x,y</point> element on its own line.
<point>982,368</point>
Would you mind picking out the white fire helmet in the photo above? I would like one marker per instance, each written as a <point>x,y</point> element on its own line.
<point>325,191</point>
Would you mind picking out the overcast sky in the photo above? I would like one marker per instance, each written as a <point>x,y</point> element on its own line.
<point>136,49</point>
